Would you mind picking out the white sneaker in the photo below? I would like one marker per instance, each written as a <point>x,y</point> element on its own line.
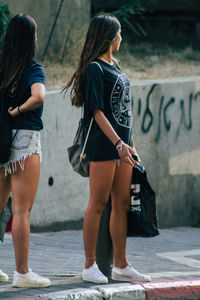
<point>3,276</point>
<point>29,280</point>
<point>128,274</point>
<point>93,274</point>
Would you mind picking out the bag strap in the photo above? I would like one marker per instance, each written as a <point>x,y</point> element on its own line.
<point>14,136</point>
<point>82,156</point>
<point>95,62</point>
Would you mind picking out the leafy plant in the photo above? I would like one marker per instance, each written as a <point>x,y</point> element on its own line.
<point>125,15</point>
<point>126,12</point>
<point>4,19</point>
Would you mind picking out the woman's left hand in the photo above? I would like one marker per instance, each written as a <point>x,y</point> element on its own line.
<point>136,154</point>
<point>133,147</point>
<point>13,112</point>
<point>125,153</point>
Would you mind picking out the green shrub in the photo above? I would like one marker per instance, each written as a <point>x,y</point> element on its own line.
<point>125,14</point>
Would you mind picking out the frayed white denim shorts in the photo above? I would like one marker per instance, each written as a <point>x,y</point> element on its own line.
<point>25,143</point>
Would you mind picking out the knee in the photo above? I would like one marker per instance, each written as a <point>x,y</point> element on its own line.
<point>121,205</point>
<point>98,206</point>
<point>101,207</point>
<point>21,213</point>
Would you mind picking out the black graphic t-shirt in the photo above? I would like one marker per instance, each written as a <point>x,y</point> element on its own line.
<point>108,89</point>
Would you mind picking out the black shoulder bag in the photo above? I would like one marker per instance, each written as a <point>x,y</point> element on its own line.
<point>76,152</point>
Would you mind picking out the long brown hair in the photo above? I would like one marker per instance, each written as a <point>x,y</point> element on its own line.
<point>18,50</point>
<point>101,33</point>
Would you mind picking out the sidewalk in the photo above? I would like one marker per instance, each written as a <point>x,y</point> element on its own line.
<point>171,259</point>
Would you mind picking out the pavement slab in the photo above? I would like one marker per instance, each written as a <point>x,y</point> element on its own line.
<point>172,257</point>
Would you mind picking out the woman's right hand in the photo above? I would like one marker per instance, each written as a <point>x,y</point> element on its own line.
<point>124,152</point>
<point>13,112</point>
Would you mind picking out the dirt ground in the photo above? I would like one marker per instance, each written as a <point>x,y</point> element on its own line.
<point>142,62</point>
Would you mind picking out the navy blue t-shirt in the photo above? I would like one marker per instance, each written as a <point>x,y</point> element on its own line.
<point>31,119</point>
<point>108,89</point>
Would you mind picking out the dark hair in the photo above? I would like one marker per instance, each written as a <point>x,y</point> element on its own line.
<point>101,33</point>
<point>18,50</point>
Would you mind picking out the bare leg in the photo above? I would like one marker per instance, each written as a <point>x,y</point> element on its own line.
<point>5,188</point>
<point>120,195</point>
<point>101,178</point>
<point>24,185</point>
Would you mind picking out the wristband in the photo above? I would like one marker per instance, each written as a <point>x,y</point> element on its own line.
<point>20,112</point>
<point>119,146</point>
<point>117,143</point>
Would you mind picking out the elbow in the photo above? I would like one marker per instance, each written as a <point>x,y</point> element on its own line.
<point>39,99</point>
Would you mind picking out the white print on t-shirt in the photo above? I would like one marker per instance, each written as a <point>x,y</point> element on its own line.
<point>120,101</point>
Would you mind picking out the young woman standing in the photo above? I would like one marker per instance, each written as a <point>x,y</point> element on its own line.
<point>104,90</point>
<point>22,85</point>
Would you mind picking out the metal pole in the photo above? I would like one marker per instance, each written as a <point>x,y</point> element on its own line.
<point>4,218</point>
<point>52,29</point>
<point>104,251</point>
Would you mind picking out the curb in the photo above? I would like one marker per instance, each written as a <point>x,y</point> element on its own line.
<point>100,292</point>
<point>27,298</point>
<point>176,289</point>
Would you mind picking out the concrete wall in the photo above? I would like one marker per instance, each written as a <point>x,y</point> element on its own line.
<point>72,23</point>
<point>63,195</point>
<point>167,136</point>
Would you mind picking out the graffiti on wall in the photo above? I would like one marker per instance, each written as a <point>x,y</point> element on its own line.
<point>148,118</point>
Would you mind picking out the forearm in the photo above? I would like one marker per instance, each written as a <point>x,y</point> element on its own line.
<point>105,126</point>
<point>31,104</point>
<point>125,151</point>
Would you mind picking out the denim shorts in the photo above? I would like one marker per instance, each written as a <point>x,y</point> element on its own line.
<point>25,143</point>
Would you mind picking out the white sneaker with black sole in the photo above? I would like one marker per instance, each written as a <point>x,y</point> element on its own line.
<point>93,274</point>
<point>3,276</point>
<point>128,274</point>
<point>29,280</point>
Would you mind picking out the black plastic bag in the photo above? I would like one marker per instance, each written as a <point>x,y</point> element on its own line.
<point>142,216</point>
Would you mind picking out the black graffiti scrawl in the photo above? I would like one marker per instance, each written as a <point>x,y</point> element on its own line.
<point>164,105</point>
<point>120,101</point>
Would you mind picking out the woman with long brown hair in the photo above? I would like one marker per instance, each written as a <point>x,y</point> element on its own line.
<point>22,86</point>
<point>103,89</point>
